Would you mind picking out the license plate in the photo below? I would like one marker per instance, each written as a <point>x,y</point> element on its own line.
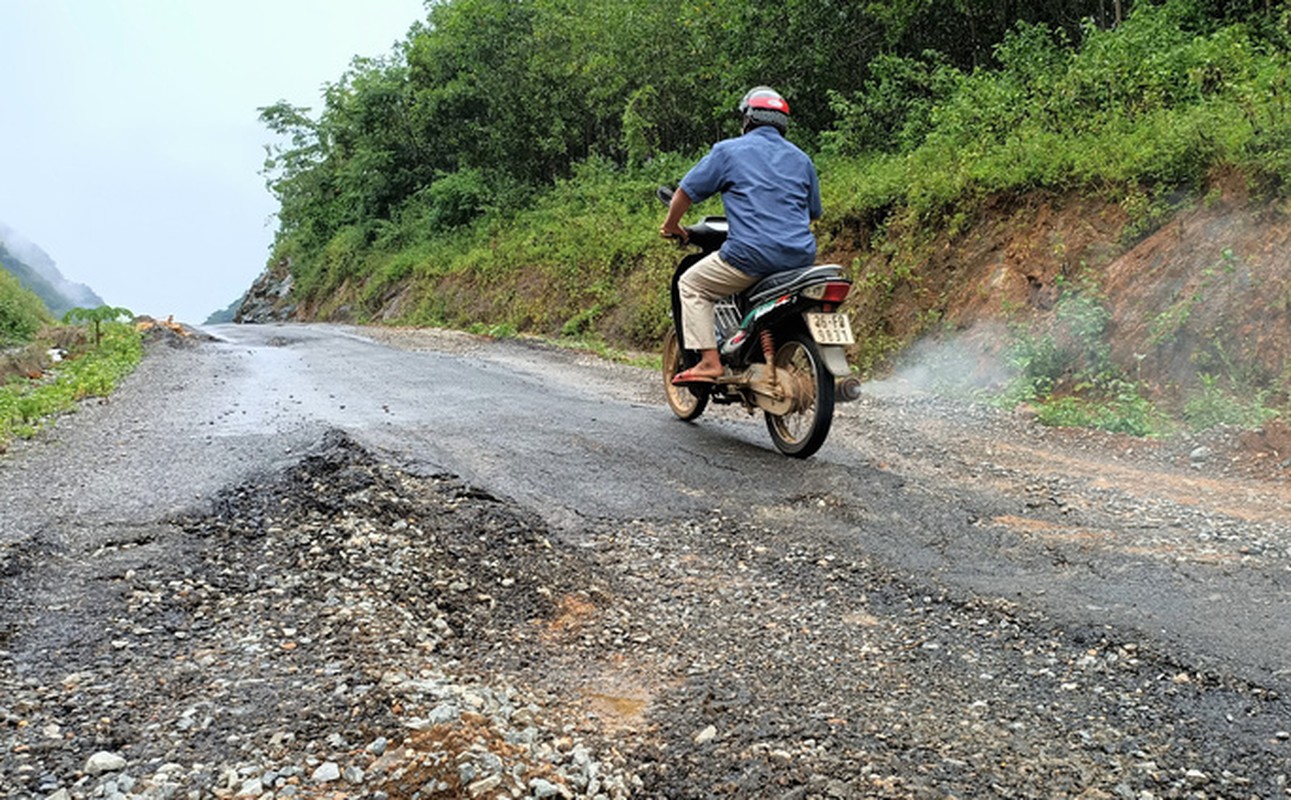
<point>830,328</point>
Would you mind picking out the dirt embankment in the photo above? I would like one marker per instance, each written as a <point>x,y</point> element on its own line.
<point>1205,293</point>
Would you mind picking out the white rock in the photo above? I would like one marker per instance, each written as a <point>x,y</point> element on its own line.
<point>327,772</point>
<point>444,713</point>
<point>484,785</point>
<point>103,762</point>
<point>706,735</point>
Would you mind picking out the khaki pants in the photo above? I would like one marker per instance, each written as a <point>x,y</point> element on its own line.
<point>709,280</point>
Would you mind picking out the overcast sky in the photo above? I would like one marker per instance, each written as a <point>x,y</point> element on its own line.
<point>130,144</point>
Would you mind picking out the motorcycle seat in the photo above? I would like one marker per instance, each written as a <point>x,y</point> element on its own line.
<point>792,280</point>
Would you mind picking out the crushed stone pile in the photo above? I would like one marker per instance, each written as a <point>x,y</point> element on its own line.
<point>313,647</point>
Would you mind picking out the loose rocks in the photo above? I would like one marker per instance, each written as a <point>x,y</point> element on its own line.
<point>349,629</point>
<point>320,640</point>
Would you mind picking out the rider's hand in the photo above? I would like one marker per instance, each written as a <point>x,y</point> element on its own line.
<point>674,231</point>
<point>677,208</point>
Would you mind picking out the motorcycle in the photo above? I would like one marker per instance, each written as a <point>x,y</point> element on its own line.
<point>782,342</point>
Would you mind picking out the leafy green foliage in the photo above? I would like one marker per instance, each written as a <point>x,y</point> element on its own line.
<point>25,404</point>
<point>1067,372</point>
<point>498,98</point>
<point>456,199</point>
<point>584,244</point>
<point>1157,102</point>
<point>1072,351</point>
<point>21,312</point>
<point>1217,404</point>
<point>96,317</point>
<point>1120,408</point>
<point>893,112</point>
<point>496,170</point>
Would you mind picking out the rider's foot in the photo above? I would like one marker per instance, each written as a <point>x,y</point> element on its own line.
<point>695,375</point>
<point>708,370</point>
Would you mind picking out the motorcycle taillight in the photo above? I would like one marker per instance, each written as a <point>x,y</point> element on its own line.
<point>832,292</point>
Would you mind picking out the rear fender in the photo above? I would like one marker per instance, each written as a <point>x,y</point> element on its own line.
<point>835,358</point>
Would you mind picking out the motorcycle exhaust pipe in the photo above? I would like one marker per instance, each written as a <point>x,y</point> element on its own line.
<point>847,390</point>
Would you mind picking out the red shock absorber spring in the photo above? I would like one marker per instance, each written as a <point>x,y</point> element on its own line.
<point>768,353</point>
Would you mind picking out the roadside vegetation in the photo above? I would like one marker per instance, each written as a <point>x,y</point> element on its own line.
<point>46,368</point>
<point>496,171</point>
<point>21,312</point>
<point>1066,370</point>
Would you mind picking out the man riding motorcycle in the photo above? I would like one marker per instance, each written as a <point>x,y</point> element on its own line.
<point>771,193</point>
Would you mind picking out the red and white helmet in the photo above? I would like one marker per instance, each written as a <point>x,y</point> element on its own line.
<point>763,105</point>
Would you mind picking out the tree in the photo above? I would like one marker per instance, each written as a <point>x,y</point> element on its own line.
<point>96,316</point>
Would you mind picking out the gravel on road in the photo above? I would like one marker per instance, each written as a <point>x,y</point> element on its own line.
<point>349,626</point>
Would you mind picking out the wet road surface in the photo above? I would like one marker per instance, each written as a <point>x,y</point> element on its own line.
<point>586,444</point>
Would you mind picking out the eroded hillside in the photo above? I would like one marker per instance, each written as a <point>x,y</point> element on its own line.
<point>1199,296</point>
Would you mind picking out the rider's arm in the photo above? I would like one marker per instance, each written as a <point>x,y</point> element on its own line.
<point>813,200</point>
<point>676,210</point>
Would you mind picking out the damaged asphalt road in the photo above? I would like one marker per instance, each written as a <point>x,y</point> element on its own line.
<point>298,563</point>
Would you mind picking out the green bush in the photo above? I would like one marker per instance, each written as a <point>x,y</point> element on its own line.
<point>893,110</point>
<point>21,312</point>
<point>1071,351</point>
<point>1216,405</point>
<point>457,198</point>
<point>1156,102</point>
<point>1119,408</point>
<point>1065,370</point>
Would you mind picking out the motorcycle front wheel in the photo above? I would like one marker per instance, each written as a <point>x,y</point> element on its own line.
<point>686,402</point>
<point>802,431</point>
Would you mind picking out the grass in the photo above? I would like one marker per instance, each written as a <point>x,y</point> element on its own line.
<point>28,405</point>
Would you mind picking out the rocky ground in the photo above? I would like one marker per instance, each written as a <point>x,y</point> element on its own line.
<point>351,628</point>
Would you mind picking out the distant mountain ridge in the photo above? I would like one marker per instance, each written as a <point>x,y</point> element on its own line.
<point>36,271</point>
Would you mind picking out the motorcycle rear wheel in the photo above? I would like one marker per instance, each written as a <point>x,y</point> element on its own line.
<point>686,402</point>
<point>801,432</point>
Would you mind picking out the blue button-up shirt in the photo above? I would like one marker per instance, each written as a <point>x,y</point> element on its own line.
<point>771,193</point>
